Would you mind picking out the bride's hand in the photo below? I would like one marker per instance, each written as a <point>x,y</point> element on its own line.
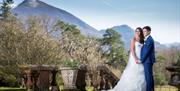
<point>137,62</point>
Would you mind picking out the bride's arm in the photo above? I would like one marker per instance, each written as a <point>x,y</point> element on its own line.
<point>132,49</point>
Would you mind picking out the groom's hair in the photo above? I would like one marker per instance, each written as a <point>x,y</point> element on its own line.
<point>147,28</point>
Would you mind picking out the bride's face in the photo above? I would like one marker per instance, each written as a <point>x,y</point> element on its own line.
<point>137,34</point>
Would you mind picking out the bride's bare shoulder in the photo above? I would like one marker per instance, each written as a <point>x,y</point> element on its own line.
<point>133,41</point>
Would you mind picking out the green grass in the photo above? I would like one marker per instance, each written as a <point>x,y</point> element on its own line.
<point>166,88</point>
<point>21,89</point>
<point>87,88</point>
<point>11,89</point>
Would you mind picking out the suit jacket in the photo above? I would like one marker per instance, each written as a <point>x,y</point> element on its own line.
<point>148,51</point>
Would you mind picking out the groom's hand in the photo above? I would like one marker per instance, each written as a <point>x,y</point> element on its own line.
<point>139,61</point>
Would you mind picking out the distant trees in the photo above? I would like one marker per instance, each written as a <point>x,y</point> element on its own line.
<point>164,58</point>
<point>159,71</point>
<point>113,49</point>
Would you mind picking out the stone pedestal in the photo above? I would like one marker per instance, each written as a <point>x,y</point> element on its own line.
<point>81,78</point>
<point>28,80</point>
<point>54,85</point>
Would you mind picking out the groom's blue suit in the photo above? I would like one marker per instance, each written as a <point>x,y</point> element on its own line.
<point>148,59</point>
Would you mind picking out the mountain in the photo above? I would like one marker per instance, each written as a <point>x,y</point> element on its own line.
<point>159,45</point>
<point>175,45</point>
<point>38,8</point>
<point>126,32</point>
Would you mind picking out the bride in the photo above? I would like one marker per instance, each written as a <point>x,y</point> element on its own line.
<point>133,78</point>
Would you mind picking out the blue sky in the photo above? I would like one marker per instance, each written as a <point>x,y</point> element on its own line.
<point>162,15</point>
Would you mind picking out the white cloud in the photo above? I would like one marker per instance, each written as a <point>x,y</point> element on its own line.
<point>107,3</point>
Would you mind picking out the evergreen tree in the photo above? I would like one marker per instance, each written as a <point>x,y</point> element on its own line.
<point>113,48</point>
<point>5,8</point>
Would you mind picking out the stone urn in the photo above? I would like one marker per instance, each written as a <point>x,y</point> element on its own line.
<point>69,76</point>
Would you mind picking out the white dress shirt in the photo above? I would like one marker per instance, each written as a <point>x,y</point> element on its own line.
<point>146,37</point>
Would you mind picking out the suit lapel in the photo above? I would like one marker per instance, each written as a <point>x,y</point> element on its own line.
<point>146,41</point>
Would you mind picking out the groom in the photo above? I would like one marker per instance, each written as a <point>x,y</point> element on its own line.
<point>148,58</point>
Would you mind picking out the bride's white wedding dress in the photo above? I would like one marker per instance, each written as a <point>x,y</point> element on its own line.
<point>133,78</point>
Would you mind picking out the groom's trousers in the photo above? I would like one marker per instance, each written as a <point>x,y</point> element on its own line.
<point>149,76</point>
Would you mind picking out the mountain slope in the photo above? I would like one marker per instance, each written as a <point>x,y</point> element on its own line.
<point>38,8</point>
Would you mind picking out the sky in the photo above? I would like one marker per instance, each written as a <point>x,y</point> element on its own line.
<point>163,16</point>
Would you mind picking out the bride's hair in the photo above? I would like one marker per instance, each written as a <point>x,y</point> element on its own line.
<point>141,36</point>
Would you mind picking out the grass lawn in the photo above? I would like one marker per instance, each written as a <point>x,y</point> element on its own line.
<point>88,89</point>
<point>11,89</point>
<point>166,88</point>
<point>21,89</point>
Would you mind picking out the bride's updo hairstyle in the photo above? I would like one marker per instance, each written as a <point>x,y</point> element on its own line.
<point>141,36</point>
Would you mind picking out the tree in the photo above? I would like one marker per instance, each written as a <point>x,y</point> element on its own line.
<point>78,47</point>
<point>113,48</point>
<point>5,8</point>
<point>23,46</point>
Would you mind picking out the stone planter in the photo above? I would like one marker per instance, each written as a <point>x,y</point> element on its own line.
<point>69,76</point>
<point>175,76</point>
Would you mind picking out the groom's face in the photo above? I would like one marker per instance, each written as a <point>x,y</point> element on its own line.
<point>146,32</point>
